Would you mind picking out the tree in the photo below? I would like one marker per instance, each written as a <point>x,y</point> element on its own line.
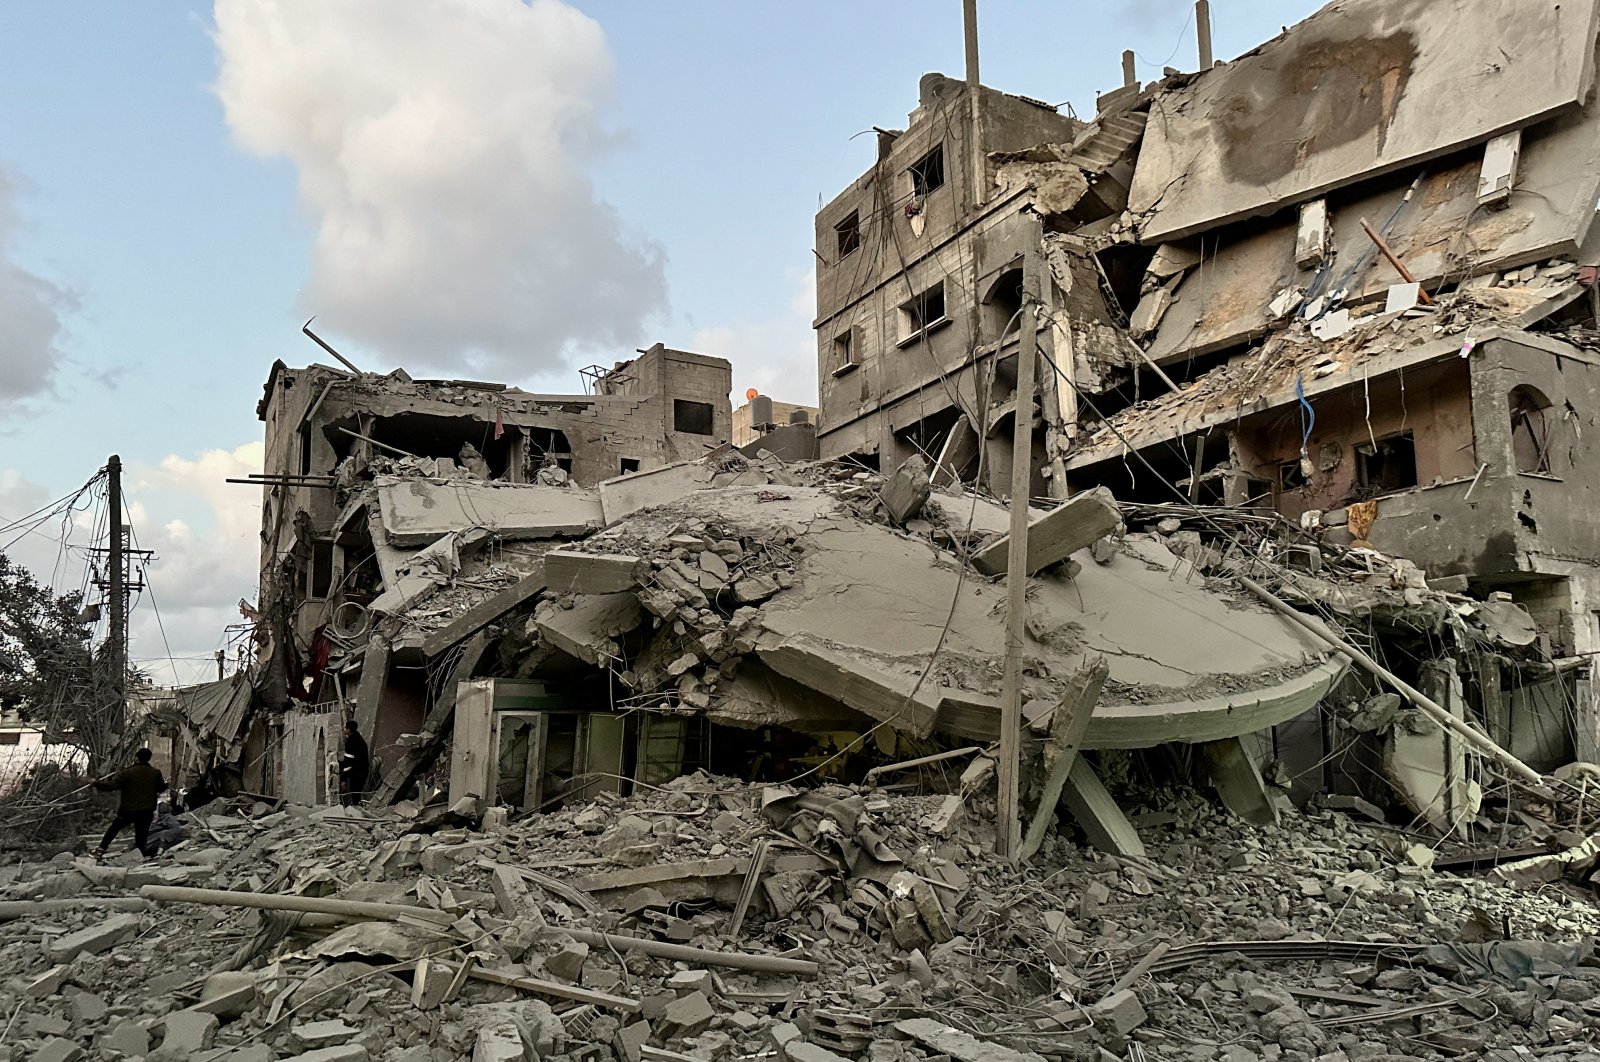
<point>49,672</point>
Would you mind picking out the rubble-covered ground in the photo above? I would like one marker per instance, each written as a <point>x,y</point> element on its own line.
<point>924,946</point>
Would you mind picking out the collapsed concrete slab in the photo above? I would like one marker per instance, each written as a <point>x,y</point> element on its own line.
<point>1076,524</point>
<point>419,511</point>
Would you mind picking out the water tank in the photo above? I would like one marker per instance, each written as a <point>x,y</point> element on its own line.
<point>800,416</point>
<point>761,413</point>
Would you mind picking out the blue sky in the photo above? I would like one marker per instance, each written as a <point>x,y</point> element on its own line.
<point>178,238</point>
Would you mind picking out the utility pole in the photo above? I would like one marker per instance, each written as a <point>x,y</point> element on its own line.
<point>221,655</point>
<point>117,646</point>
<point>1008,828</point>
<point>1202,25</point>
<point>969,25</point>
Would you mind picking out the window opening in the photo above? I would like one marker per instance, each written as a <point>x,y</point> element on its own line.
<point>927,173</point>
<point>922,312</point>
<point>694,418</point>
<point>1530,430</point>
<point>1291,476</point>
<point>1389,466</point>
<point>848,233</point>
<point>844,351</point>
<point>628,464</point>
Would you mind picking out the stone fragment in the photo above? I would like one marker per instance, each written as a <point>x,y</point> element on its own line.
<point>92,940</point>
<point>126,1038</point>
<point>47,984</point>
<point>1094,897</point>
<point>343,1053</point>
<point>803,1051</point>
<point>187,1031</point>
<point>87,1008</point>
<point>57,1049</point>
<point>754,589</point>
<point>686,1016</point>
<point>906,492</point>
<point>227,994</point>
<point>567,964</point>
<point>499,1042</point>
<point>1121,1011</point>
<point>330,1033</point>
<point>630,1040</point>
<point>683,982</point>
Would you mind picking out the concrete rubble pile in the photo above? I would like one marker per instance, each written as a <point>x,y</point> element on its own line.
<point>710,919</point>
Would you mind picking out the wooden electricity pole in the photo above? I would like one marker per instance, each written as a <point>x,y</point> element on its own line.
<point>1008,836</point>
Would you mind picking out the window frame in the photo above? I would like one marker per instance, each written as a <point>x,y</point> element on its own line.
<point>917,171</point>
<point>848,230</point>
<point>851,362</point>
<point>922,327</point>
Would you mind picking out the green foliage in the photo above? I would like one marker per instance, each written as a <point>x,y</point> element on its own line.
<point>44,644</point>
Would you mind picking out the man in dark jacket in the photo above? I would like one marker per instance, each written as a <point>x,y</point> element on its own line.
<point>354,765</point>
<point>138,788</point>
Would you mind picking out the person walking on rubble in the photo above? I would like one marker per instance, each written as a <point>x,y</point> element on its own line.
<point>137,787</point>
<point>353,767</point>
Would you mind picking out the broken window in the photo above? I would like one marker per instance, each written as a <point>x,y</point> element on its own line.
<point>1391,465</point>
<point>1530,430</point>
<point>927,173</point>
<point>693,418</point>
<point>10,737</point>
<point>921,313</point>
<point>844,352</point>
<point>1292,476</point>
<point>628,464</point>
<point>848,233</point>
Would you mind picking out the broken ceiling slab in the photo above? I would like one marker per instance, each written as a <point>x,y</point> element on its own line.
<point>419,511</point>
<point>590,628</point>
<point>628,494</point>
<point>886,696</point>
<point>1362,88</point>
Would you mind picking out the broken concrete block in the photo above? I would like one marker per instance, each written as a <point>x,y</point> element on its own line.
<point>187,1031</point>
<point>500,1042</point>
<point>127,1038</point>
<point>1121,1011</point>
<point>803,1051</point>
<point>227,994</point>
<point>255,1053</point>
<point>344,1053</point>
<point>1076,524</point>
<point>46,984</point>
<point>1095,895</point>
<point>783,1034</point>
<point>961,1046</point>
<point>330,1033</point>
<point>92,940</point>
<point>430,983</point>
<point>630,1039</point>
<point>571,572</point>
<point>754,589</point>
<point>684,982</point>
<point>57,1049</point>
<point>906,492</point>
<point>1151,309</point>
<point>713,565</point>
<point>87,1008</point>
<point>567,964</point>
<point>686,1016</point>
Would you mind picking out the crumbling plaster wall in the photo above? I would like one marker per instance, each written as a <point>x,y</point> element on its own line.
<point>1432,402</point>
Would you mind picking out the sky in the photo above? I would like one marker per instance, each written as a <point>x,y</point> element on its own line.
<point>501,189</point>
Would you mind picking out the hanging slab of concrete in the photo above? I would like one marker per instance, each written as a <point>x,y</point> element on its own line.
<point>418,511</point>
<point>658,486</point>
<point>1379,85</point>
<point>1076,524</point>
<point>757,696</point>
<point>481,615</point>
<point>846,678</point>
<point>589,629</point>
<point>906,492</point>
<point>1103,822</point>
<point>1069,723</point>
<point>1238,781</point>
<point>570,572</point>
<point>959,453</point>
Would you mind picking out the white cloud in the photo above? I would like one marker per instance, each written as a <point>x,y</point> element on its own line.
<point>441,150</point>
<point>31,310</point>
<point>206,534</point>
<point>777,356</point>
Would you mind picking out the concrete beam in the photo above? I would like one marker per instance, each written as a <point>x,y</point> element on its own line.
<point>1076,524</point>
<point>589,629</point>
<point>1103,822</point>
<point>1067,728</point>
<point>570,572</point>
<point>481,615</point>
<point>1238,781</point>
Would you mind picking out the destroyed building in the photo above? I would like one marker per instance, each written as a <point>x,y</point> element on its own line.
<point>363,469</point>
<point>1367,306</point>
